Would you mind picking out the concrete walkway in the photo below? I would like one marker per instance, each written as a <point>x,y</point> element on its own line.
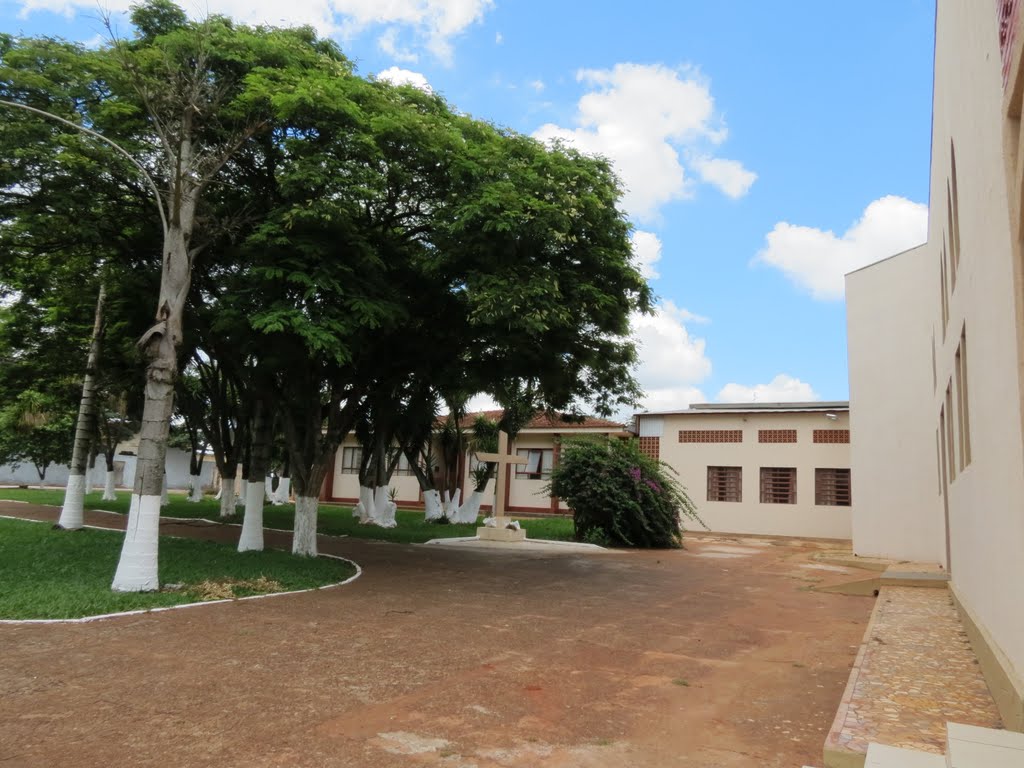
<point>914,673</point>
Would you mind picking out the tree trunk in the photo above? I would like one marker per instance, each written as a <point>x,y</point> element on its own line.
<point>383,508</point>
<point>109,494</point>
<point>165,498</point>
<point>195,489</point>
<point>138,568</point>
<point>71,514</point>
<point>227,495</point>
<point>470,511</point>
<point>364,509</point>
<point>304,537</point>
<point>251,538</point>
<point>283,493</point>
<point>432,509</point>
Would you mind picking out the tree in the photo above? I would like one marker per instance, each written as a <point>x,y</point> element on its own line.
<point>37,428</point>
<point>619,495</point>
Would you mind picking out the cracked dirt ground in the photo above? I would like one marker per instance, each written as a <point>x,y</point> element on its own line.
<point>720,655</point>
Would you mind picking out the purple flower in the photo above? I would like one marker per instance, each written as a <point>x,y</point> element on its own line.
<point>653,486</point>
<point>635,474</point>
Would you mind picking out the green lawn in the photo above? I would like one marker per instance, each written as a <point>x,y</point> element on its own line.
<point>49,574</point>
<point>333,520</point>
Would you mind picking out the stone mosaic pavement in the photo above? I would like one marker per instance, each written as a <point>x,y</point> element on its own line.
<point>915,672</point>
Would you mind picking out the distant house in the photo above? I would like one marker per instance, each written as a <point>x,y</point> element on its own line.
<point>539,442</point>
<point>760,468</point>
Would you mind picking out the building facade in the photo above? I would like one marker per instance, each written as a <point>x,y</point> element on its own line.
<point>538,443</point>
<point>779,469</point>
<point>936,353</point>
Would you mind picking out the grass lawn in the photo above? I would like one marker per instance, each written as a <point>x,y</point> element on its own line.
<point>48,574</point>
<point>333,520</point>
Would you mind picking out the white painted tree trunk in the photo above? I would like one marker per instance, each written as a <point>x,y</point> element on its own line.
<point>432,505</point>
<point>383,509</point>
<point>470,511</point>
<point>89,480</point>
<point>195,489</point>
<point>71,514</point>
<point>109,494</point>
<point>137,570</point>
<point>304,536</point>
<point>227,497</point>
<point>363,511</point>
<point>451,504</point>
<point>283,493</point>
<point>165,498</point>
<point>252,523</point>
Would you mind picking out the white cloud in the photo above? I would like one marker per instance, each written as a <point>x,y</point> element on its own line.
<point>397,76</point>
<point>388,43</point>
<point>781,389</point>
<point>672,362</point>
<point>499,38</point>
<point>644,118</point>
<point>434,23</point>
<point>537,85</point>
<point>647,252</point>
<point>816,260</point>
<point>728,175</point>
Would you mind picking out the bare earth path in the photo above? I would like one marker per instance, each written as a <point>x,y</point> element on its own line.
<point>718,655</point>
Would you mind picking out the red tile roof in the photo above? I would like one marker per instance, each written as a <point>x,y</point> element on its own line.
<point>544,420</point>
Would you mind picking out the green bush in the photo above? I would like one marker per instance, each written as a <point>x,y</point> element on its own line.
<point>618,494</point>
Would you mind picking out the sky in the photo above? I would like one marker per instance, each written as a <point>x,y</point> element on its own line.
<point>766,148</point>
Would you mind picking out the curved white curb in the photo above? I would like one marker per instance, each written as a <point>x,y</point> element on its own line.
<point>162,608</point>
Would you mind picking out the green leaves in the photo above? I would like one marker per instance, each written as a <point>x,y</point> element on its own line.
<point>619,494</point>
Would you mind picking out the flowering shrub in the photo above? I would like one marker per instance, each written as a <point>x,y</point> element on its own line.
<point>619,494</point>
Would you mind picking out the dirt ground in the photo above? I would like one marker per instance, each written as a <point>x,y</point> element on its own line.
<point>719,655</point>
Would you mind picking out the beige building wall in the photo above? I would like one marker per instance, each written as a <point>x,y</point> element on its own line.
<point>897,510</point>
<point>973,321</point>
<point>691,461</point>
<point>986,499</point>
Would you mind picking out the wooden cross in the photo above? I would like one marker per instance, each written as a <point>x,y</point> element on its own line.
<point>502,459</point>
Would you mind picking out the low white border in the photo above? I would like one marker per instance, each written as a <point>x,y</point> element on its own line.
<point>162,608</point>
<point>162,517</point>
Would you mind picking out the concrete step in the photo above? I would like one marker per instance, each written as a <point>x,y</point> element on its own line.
<point>883,756</point>
<point>968,746</point>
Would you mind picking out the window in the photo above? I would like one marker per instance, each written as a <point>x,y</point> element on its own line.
<point>776,435</point>
<point>404,469</point>
<point>538,463</point>
<point>831,435</point>
<point>710,435</point>
<point>950,454</point>
<point>832,487</point>
<point>954,212</point>
<point>778,485</point>
<point>725,483</point>
<point>942,287</point>
<point>350,460</point>
<point>649,446</point>
<point>963,411</point>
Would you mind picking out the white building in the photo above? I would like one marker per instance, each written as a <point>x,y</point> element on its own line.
<point>936,352</point>
<point>763,468</point>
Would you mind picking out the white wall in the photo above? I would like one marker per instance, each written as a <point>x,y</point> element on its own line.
<point>897,510</point>
<point>57,474</point>
<point>987,499</point>
<point>804,518</point>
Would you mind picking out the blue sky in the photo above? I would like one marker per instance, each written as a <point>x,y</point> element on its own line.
<point>768,147</point>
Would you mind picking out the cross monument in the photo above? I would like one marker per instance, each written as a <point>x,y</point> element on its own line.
<point>505,462</point>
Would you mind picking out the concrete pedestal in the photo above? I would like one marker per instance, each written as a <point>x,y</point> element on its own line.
<point>486,533</point>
